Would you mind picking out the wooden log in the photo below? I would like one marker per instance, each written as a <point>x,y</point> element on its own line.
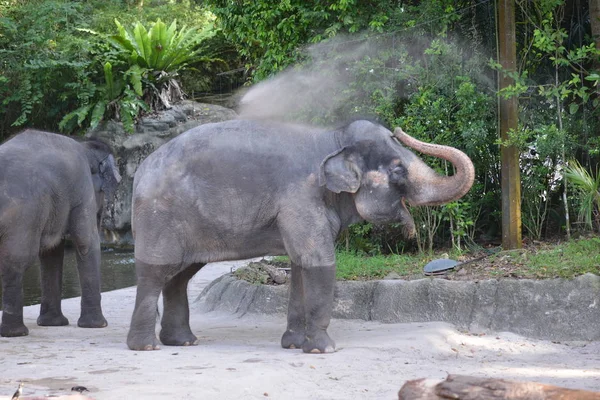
<point>75,396</point>
<point>464,387</point>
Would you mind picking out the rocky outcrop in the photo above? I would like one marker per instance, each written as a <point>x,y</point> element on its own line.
<point>131,149</point>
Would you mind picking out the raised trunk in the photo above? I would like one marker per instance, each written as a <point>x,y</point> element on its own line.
<point>430,188</point>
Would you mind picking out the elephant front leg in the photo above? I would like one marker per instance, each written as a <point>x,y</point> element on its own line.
<point>319,285</point>
<point>51,277</point>
<point>87,245</point>
<point>12,301</point>
<point>88,266</point>
<point>308,237</point>
<point>295,335</point>
<point>309,310</point>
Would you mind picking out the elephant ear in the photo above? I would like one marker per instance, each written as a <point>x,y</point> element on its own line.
<point>109,174</point>
<point>97,181</point>
<point>339,172</point>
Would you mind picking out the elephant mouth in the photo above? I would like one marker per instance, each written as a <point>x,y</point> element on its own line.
<point>406,220</point>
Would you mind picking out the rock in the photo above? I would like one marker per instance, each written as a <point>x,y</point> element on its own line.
<point>131,149</point>
<point>393,275</point>
<point>252,275</point>
<point>277,275</point>
<point>261,273</point>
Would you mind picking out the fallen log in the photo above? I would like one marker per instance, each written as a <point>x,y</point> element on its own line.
<point>464,387</point>
<point>64,397</point>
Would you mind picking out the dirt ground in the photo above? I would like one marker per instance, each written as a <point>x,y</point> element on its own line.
<point>241,357</point>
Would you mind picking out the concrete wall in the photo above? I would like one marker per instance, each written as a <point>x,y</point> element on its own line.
<point>554,309</point>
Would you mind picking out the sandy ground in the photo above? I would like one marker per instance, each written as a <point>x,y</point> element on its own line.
<point>241,357</point>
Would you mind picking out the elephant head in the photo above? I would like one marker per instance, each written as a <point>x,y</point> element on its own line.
<point>105,174</point>
<point>382,175</point>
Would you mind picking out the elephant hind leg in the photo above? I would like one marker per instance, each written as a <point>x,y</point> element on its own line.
<point>51,279</point>
<point>142,331</point>
<point>175,323</point>
<point>11,271</point>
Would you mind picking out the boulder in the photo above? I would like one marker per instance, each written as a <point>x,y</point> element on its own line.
<point>151,132</point>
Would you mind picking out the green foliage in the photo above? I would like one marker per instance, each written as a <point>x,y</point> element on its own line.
<point>567,260</point>
<point>160,53</point>
<point>366,238</point>
<point>149,62</point>
<point>159,48</point>
<point>355,266</point>
<point>119,98</point>
<point>41,53</point>
<point>588,190</point>
<point>52,56</point>
<point>270,36</point>
<point>552,104</point>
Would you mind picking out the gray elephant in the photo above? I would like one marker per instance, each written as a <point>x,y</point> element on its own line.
<point>51,186</point>
<point>242,189</point>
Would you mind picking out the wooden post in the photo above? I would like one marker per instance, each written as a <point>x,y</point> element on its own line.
<point>508,115</point>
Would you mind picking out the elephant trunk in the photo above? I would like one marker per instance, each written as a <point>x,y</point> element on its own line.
<point>430,188</point>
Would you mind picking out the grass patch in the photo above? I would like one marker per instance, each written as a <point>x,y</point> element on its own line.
<point>540,261</point>
<point>355,266</point>
<point>565,260</point>
<point>352,266</point>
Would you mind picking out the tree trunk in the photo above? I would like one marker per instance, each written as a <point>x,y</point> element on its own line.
<point>564,161</point>
<point>465,387</point>
<point>595,23</point>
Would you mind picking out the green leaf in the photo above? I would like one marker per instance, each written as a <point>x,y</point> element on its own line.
<point>98,113</point>
<point>135,77</point>
<point>592,77</point>
<point>144,47</point>
<point>123,40</point>
<point>109,80</point>
<point>158,42</point>
<point>126,117</point>
<point>573,108</point>
<point>80,114</point>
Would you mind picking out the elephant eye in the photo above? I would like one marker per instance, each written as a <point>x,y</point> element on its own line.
<point>397,174</point>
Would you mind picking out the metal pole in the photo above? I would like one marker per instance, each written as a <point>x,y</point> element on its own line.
<point>508,115</point>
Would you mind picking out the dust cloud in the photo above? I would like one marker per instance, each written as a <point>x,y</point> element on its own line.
<point>339,77</point>
<point>315,91</point>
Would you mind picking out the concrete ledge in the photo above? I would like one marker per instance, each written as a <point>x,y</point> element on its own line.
<point>553,309</point>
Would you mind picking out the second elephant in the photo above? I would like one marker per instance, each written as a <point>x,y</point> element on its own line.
<point>52,186</point>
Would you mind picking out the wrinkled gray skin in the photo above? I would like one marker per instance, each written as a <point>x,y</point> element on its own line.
<point>242,189</point>
<point>51,186</point>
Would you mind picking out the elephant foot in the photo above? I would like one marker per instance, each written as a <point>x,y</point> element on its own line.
<point>92,321</point>
<point>318,343</point>
<point>13,330</point>
<point>52,319</point>
<point>292,339</point>
<point>178,339</point>
<point>142,343</point>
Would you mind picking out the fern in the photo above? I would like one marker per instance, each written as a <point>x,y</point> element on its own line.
<point>79,115</point>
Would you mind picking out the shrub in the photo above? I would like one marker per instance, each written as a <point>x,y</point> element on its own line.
<point>148,62</point>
